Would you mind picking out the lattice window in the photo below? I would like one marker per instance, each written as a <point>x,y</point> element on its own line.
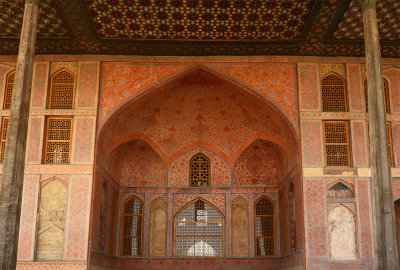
<point>58,140</point>
<point>292,218</point>
<point>199,231</point>
<point>4,129</point>
<point>265,227</point>
<point>199,171</point>
<point>340,190</point>
<point>337,144</point>
<point>62,90</point>
<point>10,81</point>
<point>333,88</point>
<point>386,90</point>
<point>389,142</point>
<point>132,224</point>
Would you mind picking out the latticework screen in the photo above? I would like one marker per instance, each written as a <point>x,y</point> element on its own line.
<point>132,228</point>
<point>333,88</point>
<point>4,129</point>
<point>199,231</point>
<point>9,90</point>
<point>386,90</point>
<point>62,90</point>
<point>58,140</point>
<point>265,228</point>
<point>199,171</point>
<point>389,142</point>
<point>337,144</point>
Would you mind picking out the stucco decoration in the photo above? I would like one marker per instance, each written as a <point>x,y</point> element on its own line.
<point>50,234</point>
<point>342,234</point>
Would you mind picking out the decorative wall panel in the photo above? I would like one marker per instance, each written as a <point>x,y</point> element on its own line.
<point>82,149</point>
<point>364,204</point>
<point>359,143</point>
<point>308,85</point>
<point>312,140</point>
<point>39,86</point>
<point>393,76</point>
<point>35,140</point>
<point>87,85</point>
<point>355,88</point>
<point>396,143</point>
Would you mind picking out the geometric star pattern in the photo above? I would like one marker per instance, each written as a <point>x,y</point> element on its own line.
<point>200,19</point>
<point>50,23</point>
<point>388,17</point>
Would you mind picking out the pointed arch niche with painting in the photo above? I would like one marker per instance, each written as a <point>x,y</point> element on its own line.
<point>342,222</point>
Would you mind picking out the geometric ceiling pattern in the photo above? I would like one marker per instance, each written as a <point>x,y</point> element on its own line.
<point>388,17</point>
<point>200,19</point>
<point>50,23</point>
<point>201,27</point>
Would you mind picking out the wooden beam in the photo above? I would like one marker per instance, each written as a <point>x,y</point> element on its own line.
<point>383,215</point>
<point>14,160</point>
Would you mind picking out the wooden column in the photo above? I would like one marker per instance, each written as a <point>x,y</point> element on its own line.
<point>14,160</point>
<point>384,225</point>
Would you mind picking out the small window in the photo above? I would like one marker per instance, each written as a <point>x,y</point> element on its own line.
<point>199,231</point>
<point>58,140</point>
<point>389,142</point>
<point>62,90</point>
<point>333,88</point>
<point>385,88</point>
<point>340,190</point>
<point>337,145</point>
<point>265,228</point>
<point>10,81</point>
<point>199,171</point>
<point>4,129</point>
<point>132,224</point>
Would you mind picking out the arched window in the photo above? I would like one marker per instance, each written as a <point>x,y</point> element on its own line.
<point>333,88</point>
<point>199,231</point>
<point>62,90</point>
<point>386,90</point>
<point>132,224</point>
<point>9,90</point>
<point>199,171</point>
<point>265,227</point>
<point>340,190</point>
<point>292,218</point>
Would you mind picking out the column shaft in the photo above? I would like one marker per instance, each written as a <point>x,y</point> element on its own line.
<point>385,238</point>
<point>14,160</point>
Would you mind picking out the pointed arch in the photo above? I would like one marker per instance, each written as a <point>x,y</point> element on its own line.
<point>333,90</point>
<point>199,230</point>
<point>51,221</point>
<point>265,227</point>
<point>199,171</point>
<point>132,227</point>
<point>62,90</point>
<point>340,190</point>
<point>8,92</point>
<point>386,93</point>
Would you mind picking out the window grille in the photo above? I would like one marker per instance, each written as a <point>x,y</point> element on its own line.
<point>337,145</point>
<point>10,81</point>
<point>340,190</point>
<point>265,227</point>
<point>333,88</point>
<point>389,142</point>
<point>58,140</point>
<point>292,218</point>
<point>199,171</point>
<point>132,224</point>
<point>62,90</point>
<point>386,90</point>
<point>4,129</point>
<point>199,231</point>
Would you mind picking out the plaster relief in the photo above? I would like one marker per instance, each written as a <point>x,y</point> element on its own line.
<point>342,234</point>
<point>51,216</point>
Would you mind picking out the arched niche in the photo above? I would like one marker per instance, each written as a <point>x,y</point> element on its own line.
<point>51,221</point>
<point>342,234</point>
<point>240,227</point>
<point>340,190</point>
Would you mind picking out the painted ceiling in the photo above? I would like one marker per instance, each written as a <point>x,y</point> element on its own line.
<point>201,27</point>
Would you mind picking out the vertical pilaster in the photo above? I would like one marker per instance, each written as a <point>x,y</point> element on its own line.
<point>385,239</point>
<point>14,161</point>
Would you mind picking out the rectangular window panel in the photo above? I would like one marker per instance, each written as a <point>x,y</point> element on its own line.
<point>58,140</point>
<point>337,144</point>
<point>4,129</point>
